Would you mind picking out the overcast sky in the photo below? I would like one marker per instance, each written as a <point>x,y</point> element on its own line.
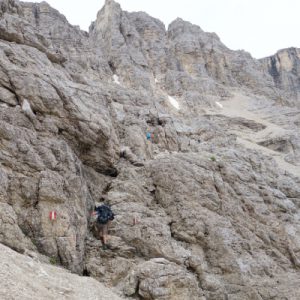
<point>261,27</point>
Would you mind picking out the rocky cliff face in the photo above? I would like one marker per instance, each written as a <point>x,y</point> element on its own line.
<point>215,191</point>
<point>284,68</point>
<point>25,276</point>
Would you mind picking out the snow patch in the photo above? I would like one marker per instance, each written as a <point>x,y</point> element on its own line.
<point>173,101</point>
<point>116,79</point>
<point>155,80</point>
<point>219,104</point>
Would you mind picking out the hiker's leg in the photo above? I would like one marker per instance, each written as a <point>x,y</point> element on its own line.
<point>107,229</point>
<point>104,239</point>
<point>105,233</point>
<point>100,228</point>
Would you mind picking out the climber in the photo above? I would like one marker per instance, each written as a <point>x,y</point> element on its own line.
<point>148,136</point>
<point>104,217</point>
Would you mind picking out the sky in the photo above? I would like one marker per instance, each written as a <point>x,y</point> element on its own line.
<point>261,27</point>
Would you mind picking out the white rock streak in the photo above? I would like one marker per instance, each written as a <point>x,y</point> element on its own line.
<point>219,104</point>
<point>173,101</point>
<point>27,109</point>
<point>116,79</point>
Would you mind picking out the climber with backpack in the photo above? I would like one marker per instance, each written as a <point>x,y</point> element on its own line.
<point>104,216</point>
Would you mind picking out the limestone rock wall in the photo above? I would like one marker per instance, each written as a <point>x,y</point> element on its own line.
<point>208,208</point>
<point>284,68</point>
<point>29,278</point>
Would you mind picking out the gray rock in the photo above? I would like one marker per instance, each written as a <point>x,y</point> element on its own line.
<point>206,208</point>
<point>17,273</point>
<point>10,233</point>
<point>160,279</point>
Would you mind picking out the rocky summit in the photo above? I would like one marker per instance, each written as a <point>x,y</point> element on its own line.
<point>195,147</point>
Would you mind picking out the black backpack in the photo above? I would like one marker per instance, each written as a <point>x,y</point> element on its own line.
<point>105,214</point>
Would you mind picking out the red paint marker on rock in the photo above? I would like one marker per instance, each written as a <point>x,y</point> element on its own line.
<point>52,215</point>
<point>135,221</point>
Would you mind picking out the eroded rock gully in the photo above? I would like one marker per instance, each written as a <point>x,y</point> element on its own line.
<point>215,191</point>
